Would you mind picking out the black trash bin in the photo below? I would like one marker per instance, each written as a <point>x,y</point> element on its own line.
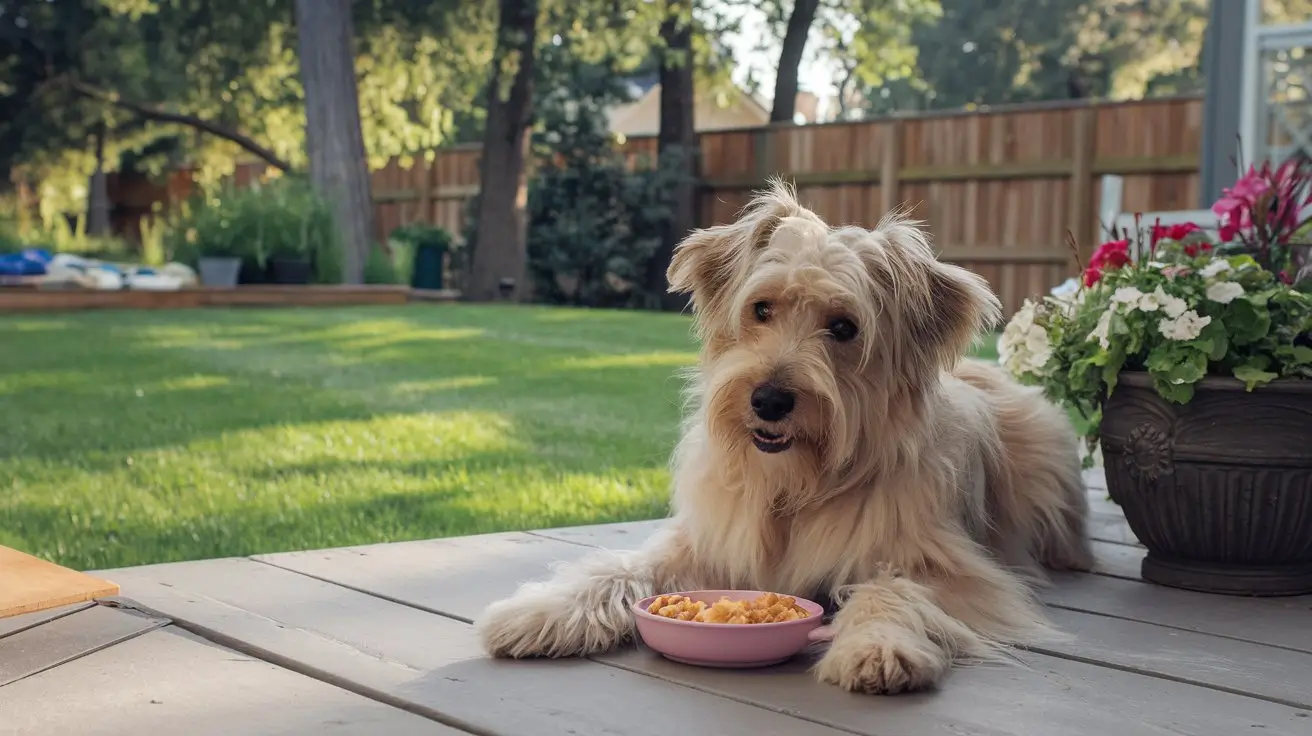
<point>427,271</point>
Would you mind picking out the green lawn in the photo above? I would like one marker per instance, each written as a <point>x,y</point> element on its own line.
<point>137,437</point>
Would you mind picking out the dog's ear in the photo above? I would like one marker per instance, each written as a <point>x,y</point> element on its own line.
<point>706,261</point>
<point>944,308</point>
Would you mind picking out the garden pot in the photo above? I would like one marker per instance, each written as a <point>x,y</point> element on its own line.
<point>1219,489</point>
<point>219,271</point>
<point>290,270</point>
<point>252,273</point>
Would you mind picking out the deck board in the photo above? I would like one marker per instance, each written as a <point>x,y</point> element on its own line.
<point>67,638</point>
<point>170,682</point>
<point>429,661</point>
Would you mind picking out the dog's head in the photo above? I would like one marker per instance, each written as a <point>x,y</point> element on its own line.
<point>813,336</point>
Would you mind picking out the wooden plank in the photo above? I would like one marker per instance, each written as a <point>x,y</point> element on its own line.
<point>65,639</point>
<point>1003,255</point>
<point>1279,622</point>
<point>29,583</point>
<point>23,621</point>
<point>1056,694</point>
<point>890,161</point>
<point>170,682</point>
<point>432,663</point>
<point>1274,674</point>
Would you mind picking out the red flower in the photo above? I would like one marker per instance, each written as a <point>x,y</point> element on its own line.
<point>1174,232</point>
<point>1109,256</point>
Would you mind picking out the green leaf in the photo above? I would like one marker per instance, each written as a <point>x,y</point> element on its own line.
<point>1295,355</point>
<point>1252,375</point>
<point>1246,322</point>
<point>1178,393</point>
<point>1213,340</point>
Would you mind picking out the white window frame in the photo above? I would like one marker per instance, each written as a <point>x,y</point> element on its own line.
<point>1257,39</point>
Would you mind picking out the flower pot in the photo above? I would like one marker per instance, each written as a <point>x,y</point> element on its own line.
<point>1219,489</point>
<point>219,271</point>
<point>252,273</point>
<point>290,270</point>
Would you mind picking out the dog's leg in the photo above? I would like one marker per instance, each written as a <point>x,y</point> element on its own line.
<point>584,608</point>
<point>890,637</point>
<point>895,634</point>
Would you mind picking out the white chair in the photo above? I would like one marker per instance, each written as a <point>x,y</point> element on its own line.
<point>1110,214</point>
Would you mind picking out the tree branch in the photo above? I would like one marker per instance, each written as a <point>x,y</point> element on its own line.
<point>163,116</point>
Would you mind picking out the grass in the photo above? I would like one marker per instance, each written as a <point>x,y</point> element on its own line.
<point>139,437</point>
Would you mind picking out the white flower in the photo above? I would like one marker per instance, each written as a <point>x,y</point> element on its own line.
<point>1151,302</point>
<point>1174,306</point>
<point>1102,332</point>
<point>1187,326</point>
<point>1024,346</point>
<point>1217,267</point>
<point>1127,295</point>
<point>1224,292</point>
<point>1066,290</point>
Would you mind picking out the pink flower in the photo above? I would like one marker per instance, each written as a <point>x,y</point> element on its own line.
<point>1271,199</point>
<point>1173,272</point>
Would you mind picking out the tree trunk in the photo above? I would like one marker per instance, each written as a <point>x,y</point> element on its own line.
<point>98,224</point>
<point>676,145</point>
<point>500,248</point>
<point>790,60</point>
<point>338,169</point>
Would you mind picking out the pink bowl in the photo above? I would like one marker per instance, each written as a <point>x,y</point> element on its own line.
<point>725,645</point>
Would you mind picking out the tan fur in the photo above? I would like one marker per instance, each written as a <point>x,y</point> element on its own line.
<point>923,490</point>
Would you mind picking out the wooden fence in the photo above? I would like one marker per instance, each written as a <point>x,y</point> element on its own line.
<point>998,188</point>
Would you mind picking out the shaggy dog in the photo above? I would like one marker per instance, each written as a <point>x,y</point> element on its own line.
<point>839,445</point>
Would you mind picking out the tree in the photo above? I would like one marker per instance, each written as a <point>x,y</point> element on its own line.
<point>676,141</point>
<point>790,60</point>
<point>332,112</point>
<point>500,252</point>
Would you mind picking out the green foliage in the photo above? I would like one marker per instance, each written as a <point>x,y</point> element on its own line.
<point>379,268</point>
<point>283,217</point>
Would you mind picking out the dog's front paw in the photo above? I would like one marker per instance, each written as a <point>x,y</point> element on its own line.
<point>882,662</point>
<point>531,625</point>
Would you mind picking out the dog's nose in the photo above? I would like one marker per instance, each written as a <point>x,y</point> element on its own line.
<point>771,403</point>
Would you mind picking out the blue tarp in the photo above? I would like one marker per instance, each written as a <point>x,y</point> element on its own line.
<point>28,262</point>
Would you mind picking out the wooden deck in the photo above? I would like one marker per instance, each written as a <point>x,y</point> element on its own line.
<point>377,640</point>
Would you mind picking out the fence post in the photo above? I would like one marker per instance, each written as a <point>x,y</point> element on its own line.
<point>889,165</point>
<point>426,189</point>
<point>1080,209</point>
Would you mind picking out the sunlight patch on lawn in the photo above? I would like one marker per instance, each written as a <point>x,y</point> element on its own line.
<point>434,385</point>
<point>12,383</point>
<point>630,360</point>
<point>192,383</point>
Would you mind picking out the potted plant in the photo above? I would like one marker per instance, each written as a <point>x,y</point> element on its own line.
<point>219,267</point>
<point>1190,367</point>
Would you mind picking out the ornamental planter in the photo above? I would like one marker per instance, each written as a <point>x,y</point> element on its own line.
<point>1219,489</point>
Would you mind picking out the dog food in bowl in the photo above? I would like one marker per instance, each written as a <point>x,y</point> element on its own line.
<point>727,628</point>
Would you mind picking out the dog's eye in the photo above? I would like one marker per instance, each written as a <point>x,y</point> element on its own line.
<point>763,311</point>
<point>842,330</point>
